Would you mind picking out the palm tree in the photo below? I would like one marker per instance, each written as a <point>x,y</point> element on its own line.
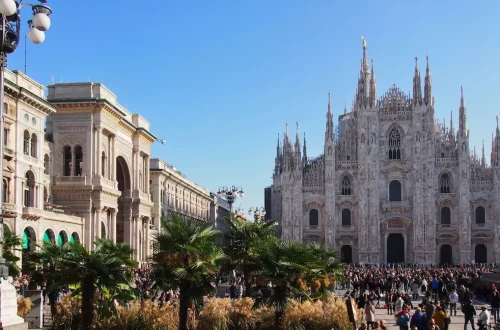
<point>107,267</point>
<point>241,241</point>
<point>187,259</point>
<point>11,243</point>
<point>288,269</point>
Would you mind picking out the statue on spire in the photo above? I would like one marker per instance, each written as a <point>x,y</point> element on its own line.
<point>428,99</point>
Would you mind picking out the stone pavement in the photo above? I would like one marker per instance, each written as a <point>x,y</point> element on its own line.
<point>457,322</point>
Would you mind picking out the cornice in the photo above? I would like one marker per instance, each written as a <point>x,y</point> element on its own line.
<point>29,98</point>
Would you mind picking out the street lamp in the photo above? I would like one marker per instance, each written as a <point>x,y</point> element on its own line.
<point>10,16</point>
<point>258,213</point>
<point>230,194</point>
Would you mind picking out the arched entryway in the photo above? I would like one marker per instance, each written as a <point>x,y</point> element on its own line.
<point>28,240</point>
<point>49,236</point>
<point>395,248</point>
<point>62,238</point>
<point>481,254</point>
<point>74,238</point>
<point>346,254</point>
<point>123,225</point>
<point>446,255</point>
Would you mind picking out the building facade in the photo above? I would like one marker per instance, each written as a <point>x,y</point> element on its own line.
<point>101,157</point>
<point>172,192</point>
<point>28,210</point>
<point>392,184</point>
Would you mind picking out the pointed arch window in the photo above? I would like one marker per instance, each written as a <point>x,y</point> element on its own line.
<point>480,215</point>
<point>313,218</point>
<point>346,186</point>
<point>445,184</point>
<point>346,217</point>
<point>394,144</point>
<point>445,216</point>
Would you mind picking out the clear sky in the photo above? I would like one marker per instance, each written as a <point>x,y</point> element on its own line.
<point>219,79</point>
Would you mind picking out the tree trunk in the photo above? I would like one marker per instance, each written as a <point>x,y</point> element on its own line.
<point>279,320</point>
<point>183,309</point>
<point>88,293</point>
<point>53,303</point>
<point>248,283</point>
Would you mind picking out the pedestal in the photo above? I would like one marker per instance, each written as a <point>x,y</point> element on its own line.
<point>8,307</point>
<point>35,316</point>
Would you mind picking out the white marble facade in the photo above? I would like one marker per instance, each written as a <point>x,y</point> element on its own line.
<point>27,168</point>
<point>393,184</point>
<point>172,192</point>
<point>101,162</point>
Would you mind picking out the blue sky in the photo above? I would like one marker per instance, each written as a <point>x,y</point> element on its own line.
<point>219,79</point>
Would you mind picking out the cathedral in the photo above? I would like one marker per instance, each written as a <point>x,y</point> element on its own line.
<point>392,184</point>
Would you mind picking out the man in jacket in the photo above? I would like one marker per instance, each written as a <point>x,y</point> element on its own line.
<point>495,306</point>
<point>469,312</point>
<point>484,318</point>
<point>453,302</point>
<point>418,320</point>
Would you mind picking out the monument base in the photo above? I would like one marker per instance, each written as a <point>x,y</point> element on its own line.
<point>8,307</point>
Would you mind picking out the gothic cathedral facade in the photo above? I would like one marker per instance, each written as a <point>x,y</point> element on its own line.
<point>393,184</point>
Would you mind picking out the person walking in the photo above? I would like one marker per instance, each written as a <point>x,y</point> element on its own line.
<point>369,315</point>
<point>453,302</point>
<point>469,312</point>
<point>495,306</point>
<point>484,318</point>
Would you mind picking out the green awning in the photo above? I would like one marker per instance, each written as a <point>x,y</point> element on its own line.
<point>72,239</point>
<point>46,236</point>
<point>25,240</point>
<point>60,240</point>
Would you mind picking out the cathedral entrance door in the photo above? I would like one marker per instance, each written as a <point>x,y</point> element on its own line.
<point>346,254</point>
<point>395,248</point>
<point>481,253</point>
<point>446,255</point>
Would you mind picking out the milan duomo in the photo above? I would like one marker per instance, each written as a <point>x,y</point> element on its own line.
<point>393,184</point>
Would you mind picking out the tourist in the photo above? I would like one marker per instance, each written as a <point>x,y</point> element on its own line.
<point>369,314</point>
<point>469,312</point>
<point>402,320</point>
<point>495,305</point>
<point>453,302</point>
<point>418,320</point>
<point>484,318</point>
<point>439,317</point>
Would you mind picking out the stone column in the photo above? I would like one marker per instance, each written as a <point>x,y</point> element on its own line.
<point>113,159</point>
<point>98,151</point>
<point>135,168</point>
<point>73,159</point>
<point>97,222</point>
<point>89,228</point>
<point>138,247</point>
<point>148,238</point>
<point>112,227</point>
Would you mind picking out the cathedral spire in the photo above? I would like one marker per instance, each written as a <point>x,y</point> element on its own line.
<point>483,158</point>
<point>373,87</point>
<point>304,152</point>
<point>417,85</point>
<point>462,120</point>
<point>278,148</point>
<point>428,99</point>
<point>329,121</point>
<point>362,92</point>
<point>345,107</point>
<point>298,157</point>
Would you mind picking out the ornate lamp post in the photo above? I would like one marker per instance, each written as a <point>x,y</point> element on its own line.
<point>230,194</point>
<point>10,16</point>
<point>258,213</point>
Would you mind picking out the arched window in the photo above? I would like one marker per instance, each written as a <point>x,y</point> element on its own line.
<point>46,164</point>
<point>445,216</point>
<point>313,218</point>
<point>480,215</point>
<point>34,145</point>
<point>5,191</point>
<point>445,184</point>
<point>103,164</point>
<point>346,186</point>
<point>78,161</point>
<point>67,161</point>
<point>394,144</point>
<point>346,217</point>
<point>29,189</point>
<point>395,191</point>
<point>26,144</point>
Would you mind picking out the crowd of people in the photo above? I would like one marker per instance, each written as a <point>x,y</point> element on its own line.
<point>443,290</point>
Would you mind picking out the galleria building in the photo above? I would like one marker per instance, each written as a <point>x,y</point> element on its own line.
<point>393,184</point>
<point>77,167</point>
